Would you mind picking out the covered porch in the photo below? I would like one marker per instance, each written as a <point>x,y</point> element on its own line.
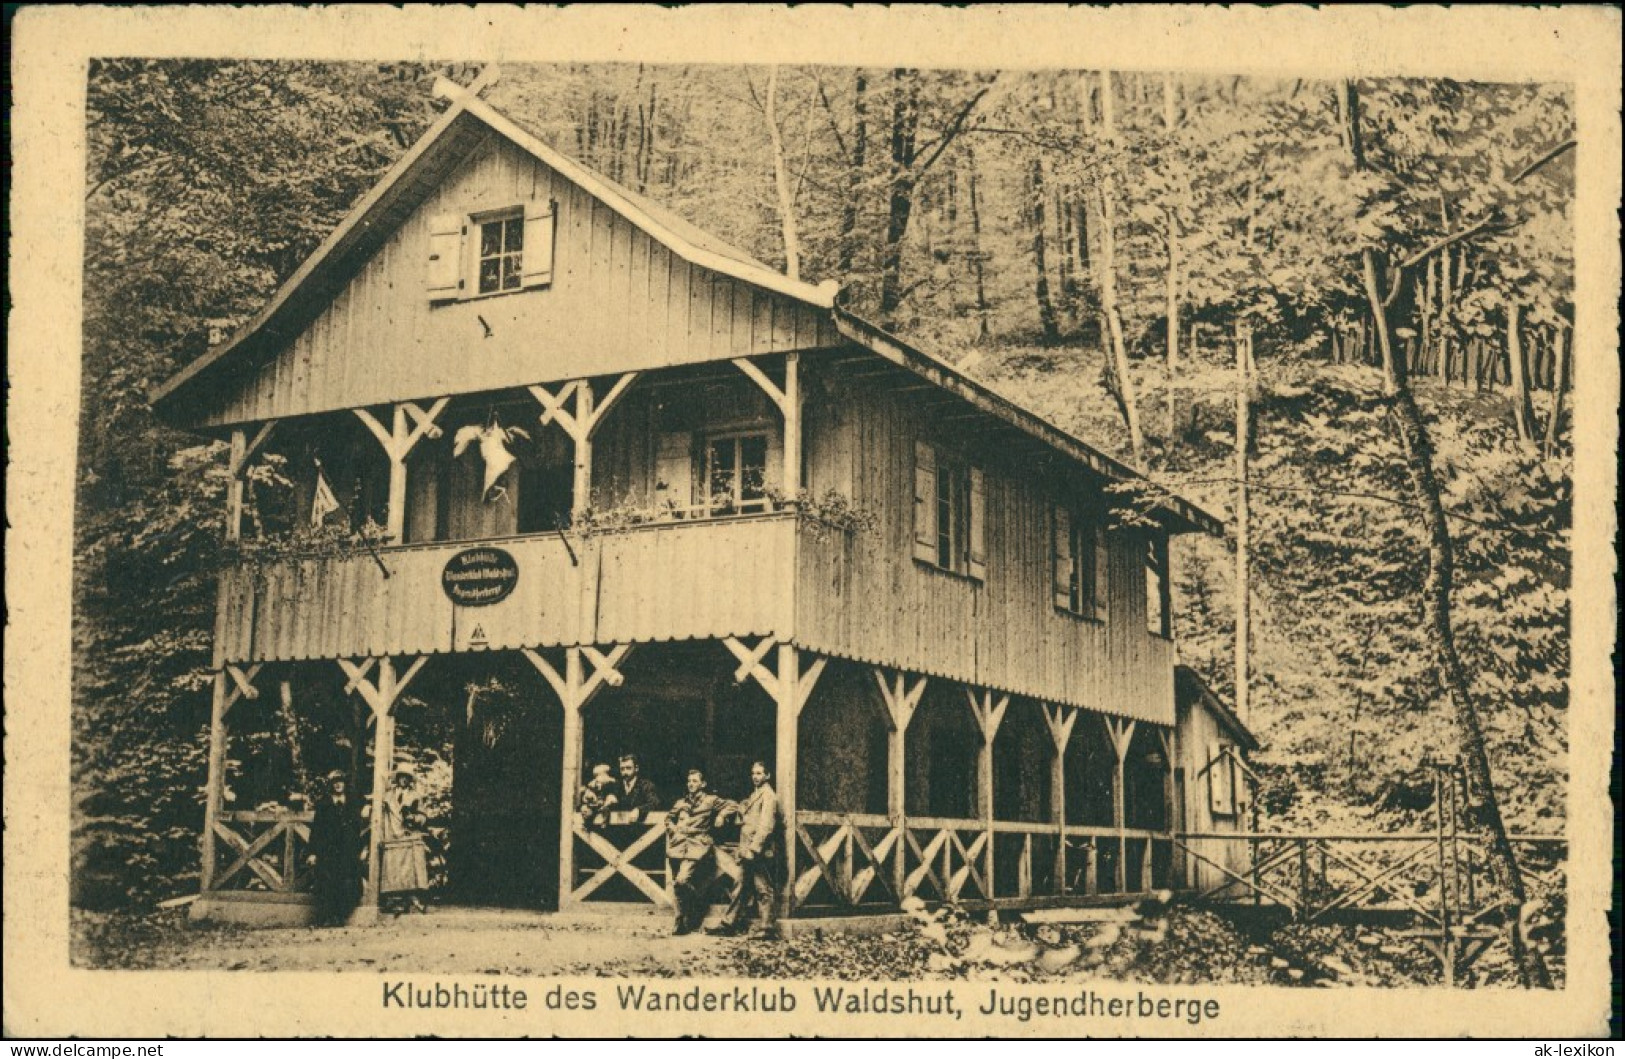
<point>893,785</point>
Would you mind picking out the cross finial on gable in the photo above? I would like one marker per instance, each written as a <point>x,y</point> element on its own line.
<point>445,88</point>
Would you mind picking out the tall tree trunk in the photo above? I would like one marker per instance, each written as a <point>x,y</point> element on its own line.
<point>1417,448</point>
<point>1122,381</point>
<point>1170,106</point>
<point>1559,383</point>
<point>977,265</point>
<point>1523,411</point>
<point>854,176</point>
<point>781,181</point>
<point>1171,311</point>
<point>1244,432</point>
<point>1046,306</point>
<point>900,191</point>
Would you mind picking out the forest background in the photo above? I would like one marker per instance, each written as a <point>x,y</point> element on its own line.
<point>1147,260</point>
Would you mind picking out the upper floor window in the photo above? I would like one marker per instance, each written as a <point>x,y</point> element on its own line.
<point>1079,563</point>
<point>1157,607</point>
<point>489,252</point>
<point>736,473</point>
<point>949,513</point>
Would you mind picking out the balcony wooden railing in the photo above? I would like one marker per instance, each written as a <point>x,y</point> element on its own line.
<point>659,581</point>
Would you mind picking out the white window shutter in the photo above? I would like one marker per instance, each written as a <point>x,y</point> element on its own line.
<point>445,272</point>
<point>978,524</point>
<point>536,267</point>
<point>1061,551</point>
<point>925,502</point>
<point>674,470</point>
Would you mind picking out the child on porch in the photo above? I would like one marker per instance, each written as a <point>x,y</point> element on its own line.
<point>597,798</point>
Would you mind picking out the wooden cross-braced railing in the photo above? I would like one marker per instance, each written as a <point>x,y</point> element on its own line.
<point>635,853</point>
<point>1315,876</point>
<point>946,860</point>
<point>263,850</point>
<point>852,860</point>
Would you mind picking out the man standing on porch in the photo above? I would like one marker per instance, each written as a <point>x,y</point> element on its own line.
<point>636,793</point>
<point>692,850</point>
<point>758,859</point>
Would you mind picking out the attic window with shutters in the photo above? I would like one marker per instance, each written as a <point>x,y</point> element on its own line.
<point>502,250</point>
<point>1078,562</point>
<point>475,255</point>
<point>950,513</point>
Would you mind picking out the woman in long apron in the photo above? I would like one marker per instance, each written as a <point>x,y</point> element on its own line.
<point>404,863</point>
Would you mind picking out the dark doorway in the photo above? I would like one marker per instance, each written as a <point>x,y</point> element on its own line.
<point>505,796</point>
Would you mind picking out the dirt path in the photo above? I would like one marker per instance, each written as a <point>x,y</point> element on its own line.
<point>447,942</point>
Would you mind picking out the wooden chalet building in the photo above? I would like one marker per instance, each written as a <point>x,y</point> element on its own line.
<point>739,523</point>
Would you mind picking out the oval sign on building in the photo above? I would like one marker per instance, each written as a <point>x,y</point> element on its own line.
<point>479,577</point>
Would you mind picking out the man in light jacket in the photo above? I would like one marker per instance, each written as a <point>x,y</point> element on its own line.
<point>692,850</point>
<point>759,856</point>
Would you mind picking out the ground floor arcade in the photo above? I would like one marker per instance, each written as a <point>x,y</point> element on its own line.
<point>893,784</point>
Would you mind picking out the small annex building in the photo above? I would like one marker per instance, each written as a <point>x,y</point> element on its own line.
<point>528,473</point>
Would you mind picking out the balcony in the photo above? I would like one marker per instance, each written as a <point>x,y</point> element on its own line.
<point>664,581</point>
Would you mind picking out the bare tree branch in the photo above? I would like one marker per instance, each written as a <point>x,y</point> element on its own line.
<point>940,144</point>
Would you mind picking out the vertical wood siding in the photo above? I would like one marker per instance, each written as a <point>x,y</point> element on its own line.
<point>1198,729</point>
<point>619,301</point>
<point>727,577</point>
<point>863,596</point>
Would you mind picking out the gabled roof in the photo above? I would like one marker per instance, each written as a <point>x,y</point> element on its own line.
<point>470,121</point>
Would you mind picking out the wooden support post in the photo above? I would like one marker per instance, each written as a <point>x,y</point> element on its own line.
<point>575,688</point>
<point>1060,721</point>
<point>230,684</point>
<point>383,763</point>
<point>794,689</point>
<point>790,688</point>
<point>379,693</point>
<point>582,497</point>
<point>395,524</point>
<point>243,449</point>
<point>989,715</point>
<point>409,424</point>
<point>901,700</point>
<point>792,424</point>
<point>580,424</point>
<point>213,793</point>
<point>234,491</point>
<point>788,401</point>
<point>1121,734</point>
<point>1170,808</point>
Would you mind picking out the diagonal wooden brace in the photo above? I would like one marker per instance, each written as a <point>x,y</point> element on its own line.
<point>751,662</point>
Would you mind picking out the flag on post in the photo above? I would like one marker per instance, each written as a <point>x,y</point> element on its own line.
<point>324,503</point>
